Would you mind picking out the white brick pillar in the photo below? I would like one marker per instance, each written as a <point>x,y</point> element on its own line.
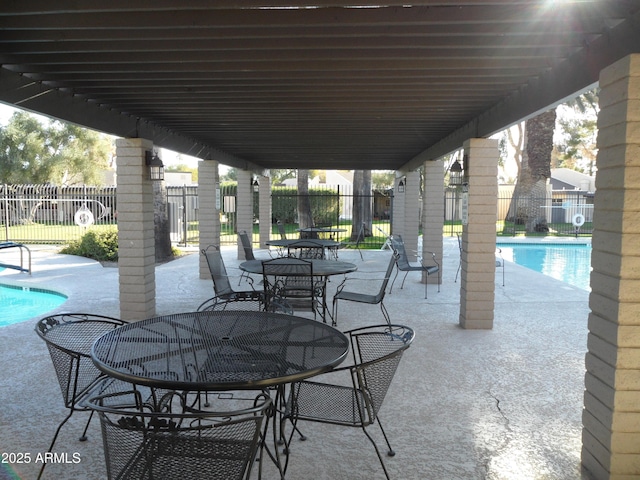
<point>136,244</point>
<point>209,201</point>
<point>398,210</point>
<point>478,270</point>
<point>432,214</point>
<point>611,415</point>
<point>411,214</point>
<point>244,207</point>
<point>264,213</point>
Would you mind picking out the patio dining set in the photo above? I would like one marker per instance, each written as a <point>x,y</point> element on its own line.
<point>224,390</point>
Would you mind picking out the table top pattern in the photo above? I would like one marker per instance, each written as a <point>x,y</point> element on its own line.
<point>219,350</point>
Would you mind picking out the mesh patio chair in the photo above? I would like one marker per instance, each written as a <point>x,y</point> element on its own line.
<point>221,284</point>
<point>370,298</point>
<point>69,338</point>
<point>292,279</point>
<point>403,264</point>
<point>376,353</point>
<point>248,252</point>
<point>281,231</point>
<point>194,444</point>
<point>354,242</point>
<point>278,305</point>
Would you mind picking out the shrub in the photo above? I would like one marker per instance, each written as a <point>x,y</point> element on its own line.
<point>98,245</point>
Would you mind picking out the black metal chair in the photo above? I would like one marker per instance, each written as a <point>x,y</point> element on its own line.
<point>221,284</point>
<point>355,242</point>
<point>277,305</point>
<point>248,252</point>
<point>376,353</point>
<point>190,443</point>
<point>292,279</point>
<point>403,264</point>
<point>281,230</point>
<point>373,299</point>
<point>69,338</point>
<point>308,249</point>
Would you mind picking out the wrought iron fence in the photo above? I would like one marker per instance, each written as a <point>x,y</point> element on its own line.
<point>57,215</point>
<point>560,213</point>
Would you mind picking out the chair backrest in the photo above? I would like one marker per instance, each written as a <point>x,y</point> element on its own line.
<point>195,444</point>
<point>377,351</point>
<point>69,338</point>
<point>308,249</point>
<point>283,234</point>
<point>246,246</point>
<point>289,278</point>
<point>401,254</point>
<point>221,284</point>
<point>387,276</point>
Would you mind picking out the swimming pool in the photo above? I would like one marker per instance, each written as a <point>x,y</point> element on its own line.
<point>570,263</point>
<point>18,304</point>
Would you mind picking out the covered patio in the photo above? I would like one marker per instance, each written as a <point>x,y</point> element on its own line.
<point>493,404</point>
<point>261,85</point>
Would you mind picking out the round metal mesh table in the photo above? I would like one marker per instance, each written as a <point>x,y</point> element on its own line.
<point>219,350</point>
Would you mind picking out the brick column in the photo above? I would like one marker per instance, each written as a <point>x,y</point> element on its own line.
<point>411,214</point>
<point>397,217</point>
<point>265,210</point>
<point>611,415</point>
<point>432,214</point>
<point>209,200</point>
<point>244,207</point>
<point>478,271</point>
<point>136,244</point>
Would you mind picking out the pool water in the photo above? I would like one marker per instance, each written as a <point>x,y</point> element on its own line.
<point>18,304</point>
<point>567,263</point>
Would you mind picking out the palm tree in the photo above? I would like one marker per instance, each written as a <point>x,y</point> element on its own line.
<point>535,169</point>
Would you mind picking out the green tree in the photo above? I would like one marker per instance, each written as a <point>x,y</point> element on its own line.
<point>382,179</point>
<point>183,167</point>
<point>59,153</point>
<point>578,131</point>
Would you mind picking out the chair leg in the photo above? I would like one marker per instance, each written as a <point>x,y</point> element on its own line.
<point>384,468</point>
<point>334,320</point>
<point>55,437</point>
<point>83,438</point>
<point>405,277</point>
<point>391,452</point>
<point>393,281</point>
<point>385,313</point>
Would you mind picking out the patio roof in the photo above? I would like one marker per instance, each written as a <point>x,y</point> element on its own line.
<point>322,84</point>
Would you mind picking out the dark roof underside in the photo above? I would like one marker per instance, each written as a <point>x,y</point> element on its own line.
<point>323,85</point>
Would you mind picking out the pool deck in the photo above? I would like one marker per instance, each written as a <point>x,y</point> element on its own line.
<point>492,404</point>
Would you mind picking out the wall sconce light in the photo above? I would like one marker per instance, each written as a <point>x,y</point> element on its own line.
<point>456,173</point>
<point>156,167</point>
<point>401,186</point>
<point>255,185</point>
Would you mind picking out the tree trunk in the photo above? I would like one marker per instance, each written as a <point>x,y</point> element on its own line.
<point>530,192</point>
<point>161,224</point>
<point>305,218</point>
<point>362,212</point>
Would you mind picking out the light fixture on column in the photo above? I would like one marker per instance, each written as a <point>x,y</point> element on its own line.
<point>156,167</point>
<point>255,185</point>
<point>401,186</point>
<point>456,173</point>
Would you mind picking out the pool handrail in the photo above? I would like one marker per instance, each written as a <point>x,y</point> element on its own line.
<point>22,247</point>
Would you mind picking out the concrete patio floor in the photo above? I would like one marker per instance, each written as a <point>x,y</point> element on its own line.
<point>492,404</point>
